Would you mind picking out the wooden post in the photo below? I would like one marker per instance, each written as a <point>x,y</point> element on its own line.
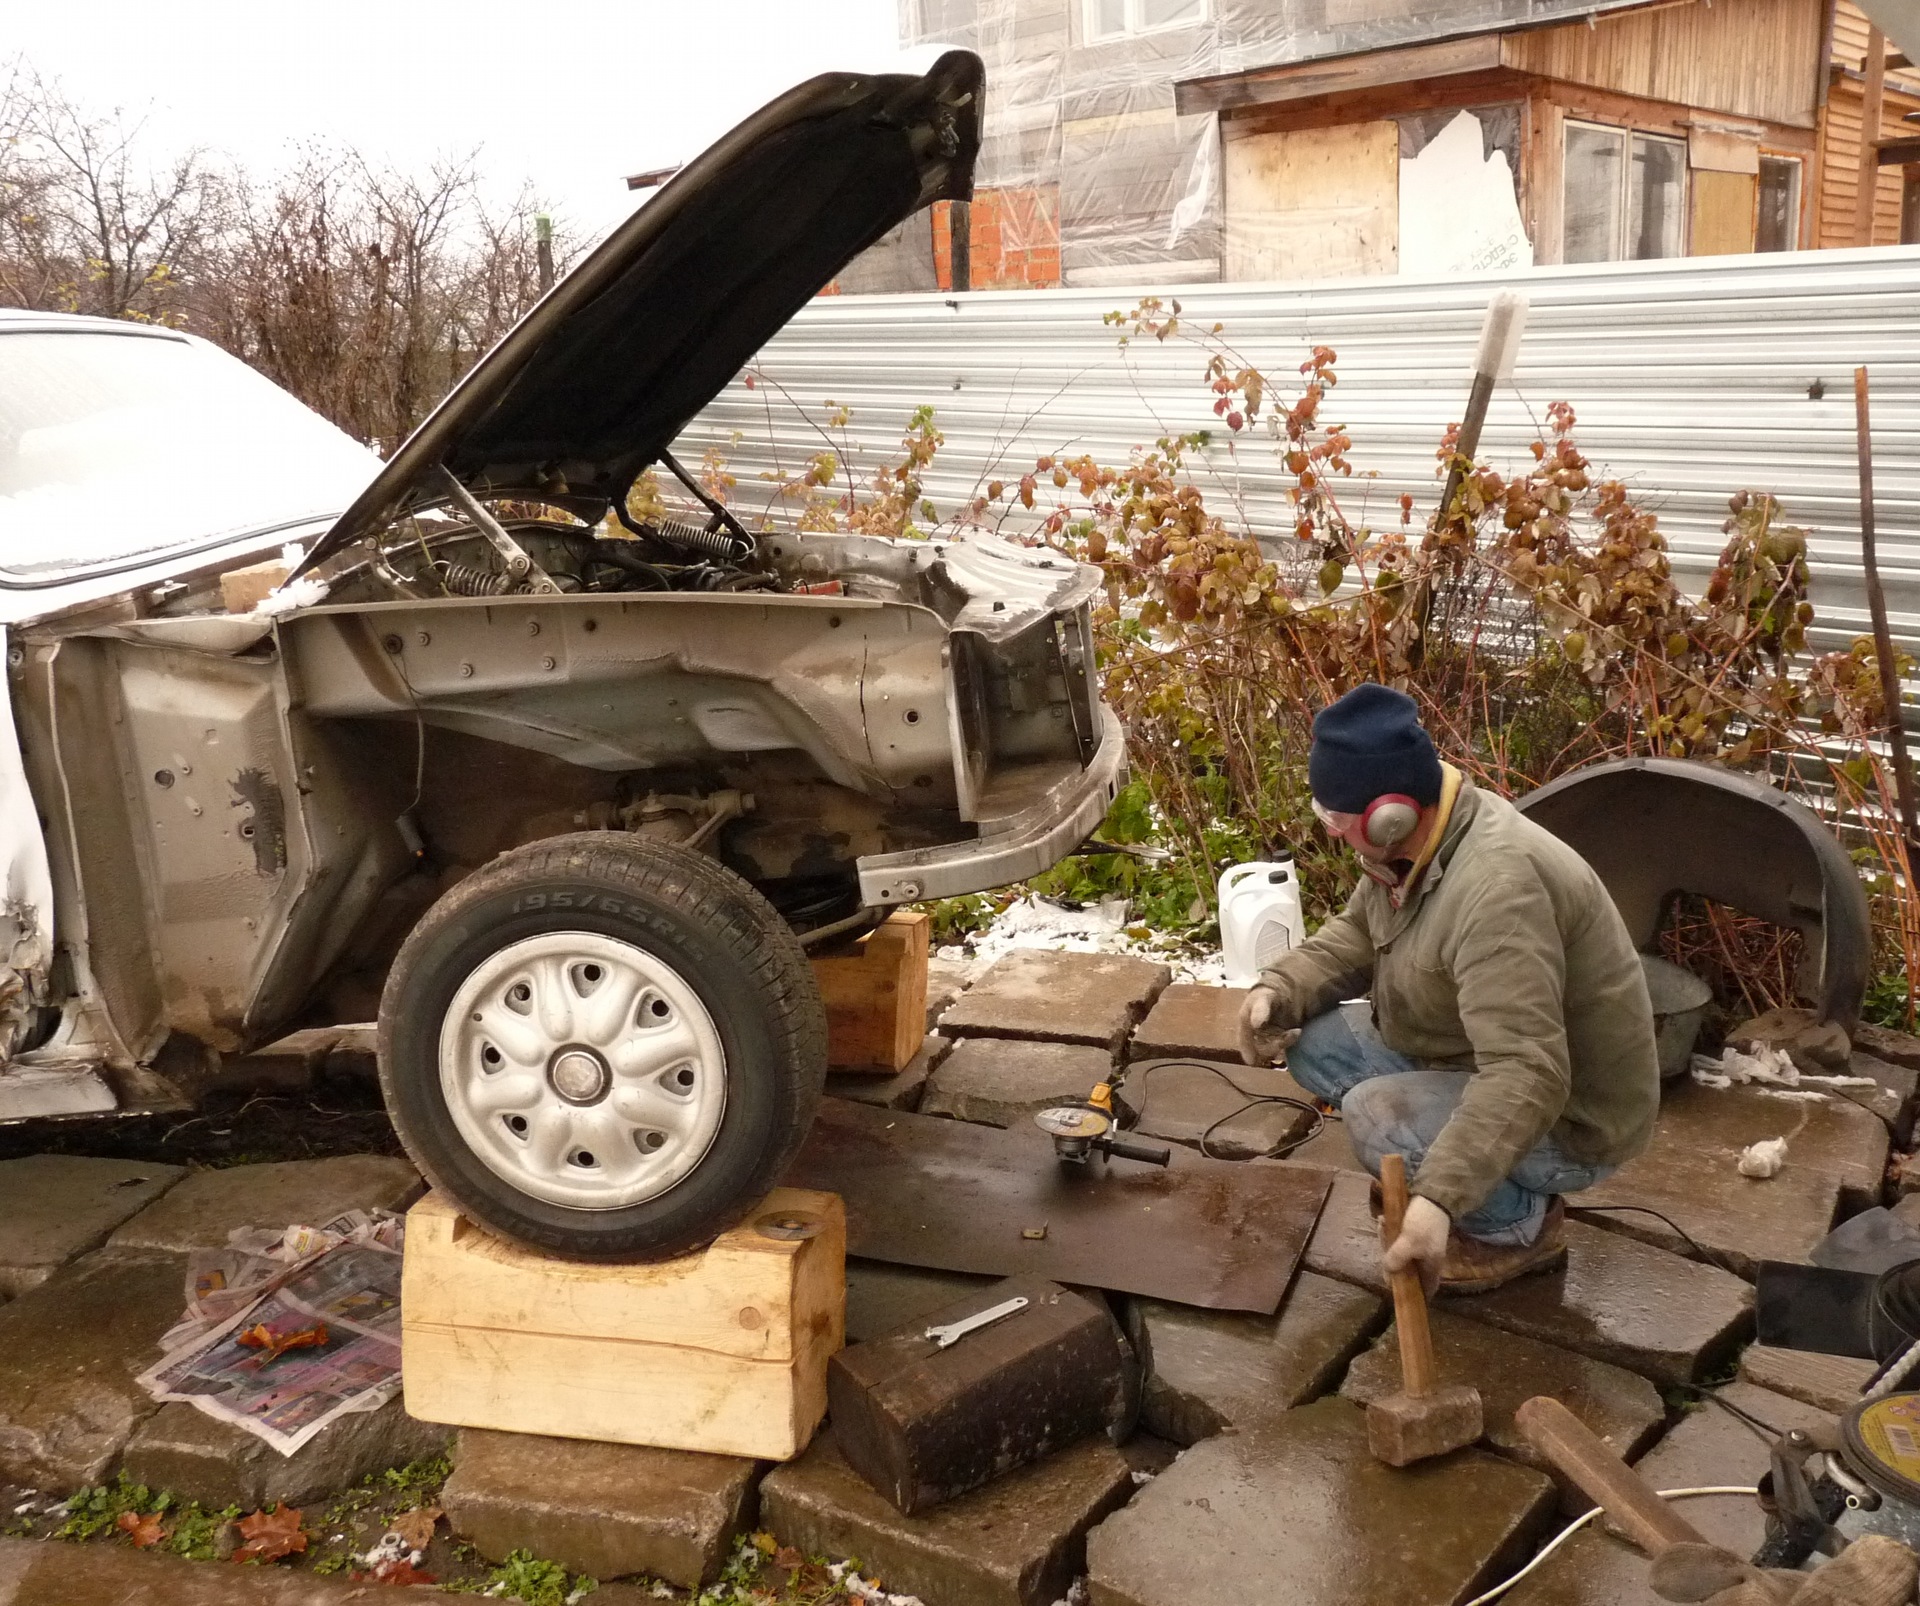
<point>960,244</point>
<point>1882,636</point>
<point>1872,109</point>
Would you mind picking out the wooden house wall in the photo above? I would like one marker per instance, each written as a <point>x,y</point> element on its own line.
<point>1839,176</point>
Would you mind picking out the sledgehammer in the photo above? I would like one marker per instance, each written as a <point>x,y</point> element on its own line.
<point>1422,1420</point>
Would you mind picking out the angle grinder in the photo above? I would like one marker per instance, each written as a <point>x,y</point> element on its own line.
<point>1083,1129</point>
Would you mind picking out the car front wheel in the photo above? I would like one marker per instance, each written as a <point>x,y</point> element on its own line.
<point>602,1047</point>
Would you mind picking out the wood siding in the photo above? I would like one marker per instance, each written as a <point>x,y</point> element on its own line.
<point>1838,179</point>
<point>1749,58</point>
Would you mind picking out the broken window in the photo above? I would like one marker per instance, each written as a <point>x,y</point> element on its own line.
<point>1114,19</point>
<point>1777,225</point>
<point>1623,195</point>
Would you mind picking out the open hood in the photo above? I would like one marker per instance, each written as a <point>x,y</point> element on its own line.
<point>588,389</point>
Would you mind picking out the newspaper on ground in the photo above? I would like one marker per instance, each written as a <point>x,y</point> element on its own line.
<point>286,1331</point>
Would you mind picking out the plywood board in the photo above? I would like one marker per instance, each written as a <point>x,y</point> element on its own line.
<point>725,1350</point>
<point>1722,214</point>
<point>1313,203</point>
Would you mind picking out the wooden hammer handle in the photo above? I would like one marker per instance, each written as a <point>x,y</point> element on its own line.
<point>1409,1298</point>
<point>1574,1448</point>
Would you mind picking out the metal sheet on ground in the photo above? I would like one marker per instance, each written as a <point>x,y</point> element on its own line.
<point>953,1196</point>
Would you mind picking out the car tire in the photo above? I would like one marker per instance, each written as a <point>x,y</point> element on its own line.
<point>602,1047</point>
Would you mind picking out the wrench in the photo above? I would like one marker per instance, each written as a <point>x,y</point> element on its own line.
<point>950,1333</point>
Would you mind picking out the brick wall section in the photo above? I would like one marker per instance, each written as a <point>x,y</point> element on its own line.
<point>1015,239</point>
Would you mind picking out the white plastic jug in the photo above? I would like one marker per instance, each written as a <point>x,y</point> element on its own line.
<point>1259,918</point>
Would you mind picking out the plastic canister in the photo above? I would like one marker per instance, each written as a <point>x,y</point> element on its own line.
<point>1259,917</point>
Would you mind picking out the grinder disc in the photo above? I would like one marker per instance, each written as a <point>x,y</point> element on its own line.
<point>1883,1445</point>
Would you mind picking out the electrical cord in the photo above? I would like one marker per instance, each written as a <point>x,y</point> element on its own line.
<point>1672,1226</point>
<point>1278,1151</point>
<point>1578,1523</point>
<point>1759,1426</point>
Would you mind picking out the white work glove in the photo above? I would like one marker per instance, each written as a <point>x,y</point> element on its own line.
<point>1264,1034</point>
<point>1422,1243</point>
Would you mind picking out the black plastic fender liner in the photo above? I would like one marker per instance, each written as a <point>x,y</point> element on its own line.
<point>1657,827</point>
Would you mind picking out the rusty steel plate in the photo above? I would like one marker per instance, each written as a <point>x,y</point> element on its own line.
<point>952,1196</point>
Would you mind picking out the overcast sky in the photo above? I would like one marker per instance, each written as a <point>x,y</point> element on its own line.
<point>571,94</point>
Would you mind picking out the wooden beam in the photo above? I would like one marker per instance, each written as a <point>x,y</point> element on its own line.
<point>1872,110</point>
<point>1266,86</point>
<point>1898,152</point>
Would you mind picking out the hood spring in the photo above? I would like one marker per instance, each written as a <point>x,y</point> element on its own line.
<point>470,580</point>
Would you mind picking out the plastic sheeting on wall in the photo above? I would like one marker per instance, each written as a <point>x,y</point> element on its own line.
<point>1086,162</point>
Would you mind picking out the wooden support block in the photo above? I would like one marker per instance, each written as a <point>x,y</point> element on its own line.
<point>725,1350</point>
<point>923,1424</point>
<point>242,589</point>
<point>876,996</point>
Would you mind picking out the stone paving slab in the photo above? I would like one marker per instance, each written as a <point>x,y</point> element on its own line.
<point>1001,1081</point>
<point>218,1464</point>
<point>1827,1382</point>
<point>1297,1509</point>
<point>1330,1147</point>
<point>1690,1173</point>
<point>1898,1048</point>
<point>199,1212</point>
<point>35,1573</point>
<point>1708,1447</point>
<point>882,1298</point>
<point>947,979</point>
<point>601,1509</point>
<point>1020,1541</point>
<point>57,1206</point>
<point>1038,993</point>
<point>1182,1101</point>
<point>1894,1098</point>
<point>1208,1371</point>
<point>902,1090</point>
<point>1188,1019</point>
<point>1618,1300</point>
<point>72,1348</point>
<point>1623,1408</point>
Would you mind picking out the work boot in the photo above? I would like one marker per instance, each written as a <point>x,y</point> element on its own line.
<point>1475,1266</point>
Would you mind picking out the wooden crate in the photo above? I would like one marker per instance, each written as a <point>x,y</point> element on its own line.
<point>725,1350</point>
<point>876,996</point>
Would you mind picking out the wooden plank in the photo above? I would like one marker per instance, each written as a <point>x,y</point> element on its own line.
<point>724,1350</point>
<point>1367,70</point>
<point>1722,214</point>
<point>876,996</point>
<point>1872,113</point>
<point>1716,150</point>
<point>1312,203</point>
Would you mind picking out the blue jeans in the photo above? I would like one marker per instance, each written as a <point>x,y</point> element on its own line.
<point>1393,1104</point>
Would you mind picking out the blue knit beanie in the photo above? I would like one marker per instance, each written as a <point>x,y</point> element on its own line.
<point>1368,743</point>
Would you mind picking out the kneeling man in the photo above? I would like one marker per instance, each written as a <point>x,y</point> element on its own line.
<point>1507,1048</point>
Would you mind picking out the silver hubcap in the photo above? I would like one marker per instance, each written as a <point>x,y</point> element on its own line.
<point>583,1070</point>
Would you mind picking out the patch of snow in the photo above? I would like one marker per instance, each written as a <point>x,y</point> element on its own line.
<point>1098,928</point>
<point>1763,1159</point>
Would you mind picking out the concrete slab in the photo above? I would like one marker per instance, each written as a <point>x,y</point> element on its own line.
<point>1020,1541</point>
<point>601,1509</point>
<point>1894,1097</point>
<point>1827,1382</point>
<point>1191,1020</point>
<point>1624,1409</point>
<point>1036,993</point>
<point>1709,1447</point>
<point>73,1346</point>
<point>1183,1100</point>
<point>882,1298</point>
<point>1330,1147</point>
<point>1000,1081</point>
<point>218,1464</point>
<point>1301,1500</point>
<point>57,1206</point>
<point>947,979</point>
<point>199,1212</point>
<point>900,1091</point>
<point>1208,1371</point>
<point>33,1573</point>
<point>1690,1173</point>
<point>1897,1048</point>
<point>1618,1300</point>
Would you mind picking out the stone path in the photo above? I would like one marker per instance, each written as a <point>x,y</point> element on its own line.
<point>1250,1467</point>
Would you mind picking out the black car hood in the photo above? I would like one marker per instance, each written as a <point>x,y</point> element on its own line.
<point>594,383</point>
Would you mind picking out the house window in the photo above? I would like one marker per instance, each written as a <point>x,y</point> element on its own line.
<point>1623,195</point>
<point>1910,206</point>
<point>1777,223</point>
<point>1116,19</point>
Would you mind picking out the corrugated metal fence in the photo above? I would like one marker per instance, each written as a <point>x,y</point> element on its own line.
<point>1691,379</point>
